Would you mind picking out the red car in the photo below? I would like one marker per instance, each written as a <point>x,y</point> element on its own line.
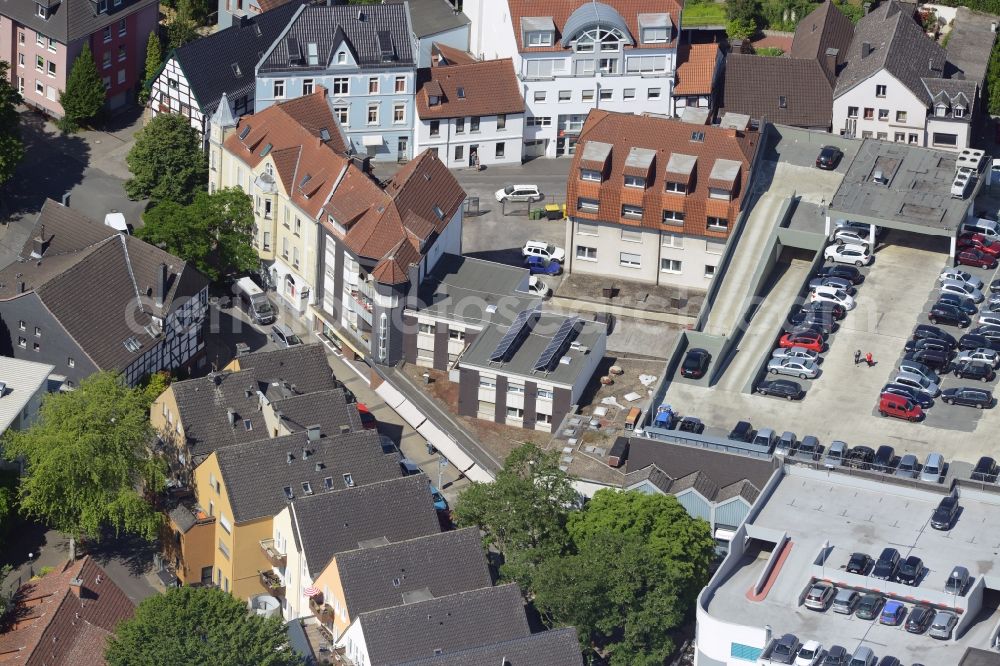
<point>809,340</point>
<point>979,242</point>
<point>970,257</point>
<point>368,420</point>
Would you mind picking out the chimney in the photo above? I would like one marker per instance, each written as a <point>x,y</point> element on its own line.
<point>20,287</point>
<point>930,64</point>
<point>305,453</point>
<point>868,7</point>
<point>312,433</point>
<point>866,49</point>
<point>231,415</point>
<point>76,587</point>
<point>161,285</point>
<point>831,61</point>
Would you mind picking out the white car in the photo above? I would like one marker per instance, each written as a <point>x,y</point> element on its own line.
<point>519,193</point>
<point>797,367</point>
<point>800,353</point>
<point>809,654</point>
<point>981,355</point>
<point>832,295</point>
<point>917,383</point>
<point>857,226</point>
<point>962,289</point>
<point>853,235</point>
<point>547,251</point>
<point>989,318</point>
<point>839,283</point>
<point>538,288</point>
<point>848,254</point>
<point>960,276</point>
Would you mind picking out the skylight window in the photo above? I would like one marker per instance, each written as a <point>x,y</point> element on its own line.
<point>288,492</point>
<point>266,150</point>
<point>307,488</point>
<point>244,132</point>
<point>328,483</point>
<point>349,480</point>
<point>461,92</point>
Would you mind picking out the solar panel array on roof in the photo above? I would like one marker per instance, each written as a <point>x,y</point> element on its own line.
<point>557,345</point>
<point>512,339</point>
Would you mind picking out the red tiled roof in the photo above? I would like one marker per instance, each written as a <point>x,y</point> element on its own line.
<point>488,88</point>
<point>58,624</point>
<point>268,5</point>
<point>668,138</point>
<point>696,66</point>
<point>560,10</point>
<point>450,56</point>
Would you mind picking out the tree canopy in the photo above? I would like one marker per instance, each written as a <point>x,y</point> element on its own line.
<point>198,625</point>
<point>154,59</point>
<point>88,463</point>
<point>214,233</point>
<point>83,97</point>
<point>11,146</point>
<point>167,162</point>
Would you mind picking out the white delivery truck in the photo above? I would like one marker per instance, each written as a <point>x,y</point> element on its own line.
<point>254,300</point>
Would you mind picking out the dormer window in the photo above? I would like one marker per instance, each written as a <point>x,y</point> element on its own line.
<point>940,110</point>
<point>655,35</point>
<point>635,181</point>
<point>958,112</point>
<point>433,100</point>
<point>43,12</point>
<point>540,38</point>
<point>591,175</point>
<point>609,40</point>
<point>341,58</point>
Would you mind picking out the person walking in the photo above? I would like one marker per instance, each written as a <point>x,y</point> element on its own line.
<point>857,357</point>
<point>869,360</point>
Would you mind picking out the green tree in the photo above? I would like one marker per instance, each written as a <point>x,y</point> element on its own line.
<point>993,79</point>
<point>154,59</point>
<point>198,625</point>
<point>11,146</point>
<point>743,10</point>
<point>741,28</point>
<point>214,233</point>
<point>87,459</point>
<point>183,28</point>
<point>523,512</point>
<point>167,161</point>
<point>84,95</point>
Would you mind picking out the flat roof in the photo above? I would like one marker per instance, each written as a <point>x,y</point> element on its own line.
<point>430,17</point>
<point>21,379</point>
<point>917,196</point>
<point>849,514</point>
<point>474,291</point>
<point>544,327</point>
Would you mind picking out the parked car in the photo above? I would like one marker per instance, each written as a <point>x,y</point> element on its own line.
<point>859,563</point>
<point>795,352</point>
<point>889,660</point>
<point>907,467</point>
<point>528,193</point>
<point>847,272</point>
<point>863,656</point>
<point>920,399</point>
<point>869,606</point>
<point>886,564</point>
<point>837,655</point>
<point>809,448</point>
<point>742,432</point>
<point>884,457</point>
<point>900,407</point>
<point>691,424</point>
<point>918,368</point>
<point>988,245</point>
<point>820,596</point>
<point>853,236</point>
<point>945,513</point>
<point>785,649</point>
<point>921,331</point>
<point>543,250</point>
<point>765,438</point>
<point>974,257</point>
<point>846,601</point>
<point>850,224</point>
<point>968,396</point>
<point>824,309</point>
<point>933,468</point>
<point>975,370</point>
<point>892,613</point>
<point>829,157</point>
<point>440,503</point>
<point>919,619</point>
<point>368,420</point>
<point>943,624</point>
<point>917,383</point>
<point>786,444</point>
<point>985,470</point>
<point>928,344</point>
<point>860,457</point>
<point>990,332</point>
<point>910,570</point>
<point>935,359</point>
<point>957,581</point>
<point>836,453</point>
<point>976,341</point>
<point>989,319</point>
<point>961,302</point>
<point>809,654</point>
<point>981,355</point>
<point>283,336</point>
<point>942,313</point>
<point>833,295</point>
<point>695,363</point>
<point>541,266</point>
<point>962,289</point>
<point>781,388</point>
<point>800,368</point>
<point>961,276</point>
<point>809,340</point>
<point>848,254</point>
<point>832,281</point>
<point>808,319</point>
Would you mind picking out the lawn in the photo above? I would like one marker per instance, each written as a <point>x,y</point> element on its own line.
<point>703,13</point>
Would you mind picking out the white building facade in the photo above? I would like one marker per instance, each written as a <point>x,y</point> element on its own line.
<point>881,107</point>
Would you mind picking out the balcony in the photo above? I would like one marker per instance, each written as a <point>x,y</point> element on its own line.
<point>324,612</point>
<point>272,583</point>
<point>274,556</point>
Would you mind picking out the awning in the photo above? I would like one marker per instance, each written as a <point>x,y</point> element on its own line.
<point>372,140</point>
<point>312,591</point>
<point>725,535</point>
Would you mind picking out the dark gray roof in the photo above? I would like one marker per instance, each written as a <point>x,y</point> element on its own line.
<point>558,647</point>
<point>431,17</point>
<point>970,43</point>
<point>898,45</point>
<point>183,518</point>
<point>303,367</point>
<point>956,91</point>
<point>977,657</point>
<point>210,63</point>
<point>346,519</point>
<point>426,567</point>
<point>441,626</point>
<point>754,85</point>
<point>327,409</point>
<point>70,19</point>
<point>328,27</point>
<point>256,473</point>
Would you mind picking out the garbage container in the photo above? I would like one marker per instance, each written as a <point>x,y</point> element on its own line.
<point>536,213</point>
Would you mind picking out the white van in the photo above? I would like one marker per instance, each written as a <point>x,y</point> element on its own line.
<point>254,300</point>
<point>988,228</point>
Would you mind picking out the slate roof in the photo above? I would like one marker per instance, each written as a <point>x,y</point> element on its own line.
<point>58,625</point>
<point>824,28</point>
<point>328,27</point>
<point>668,138</point>
<point>754,85</point>
<point>558,647</point>
<point>70,19</point>
<point>899,46</point>
<point>256,473</point>
<point>211,63</point>
<point>429,566</point>
<point>327,409</point>
<point>449,624</point>
<point>387,509</point>
<point>561,10</point>
<point>98,283</point>
<point>431,17</point>
<point>487,88</point>
<point>696,67</point>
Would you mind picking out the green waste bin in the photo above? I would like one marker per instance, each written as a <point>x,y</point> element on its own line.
<point>536,213</point>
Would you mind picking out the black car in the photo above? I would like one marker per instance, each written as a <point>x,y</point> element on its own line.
<point>944,514</point>
<point>859,564</point>
<point>933,344</point>
<point>691,424</point>
<point>785,649</point>
<point>928,331</point>
<point>885,566</point>
<point>809,448</point>
<point>919,619</point>
<point>837,656</point>
<point>839,270</point>
<point>942,313</point>
<point>889,660</point>
<point>966,305</point>
<point>808,328</point>
<point>918,398</point>
<point>985,470</point>
<point>695,363</point>
<point>975,370</point>
<point>860,457</point>
<point>995,286</point>
<point>976,341</point>
<point>910,570</point>
<point>968,396</point>
<point>869,606</point>
<point>989,331</point>
<point>828,158</point>
<point>884,457</point>
<point>821,318</point>
<point>742,432</point>
<point>782,388</point>
<point>935,359</point>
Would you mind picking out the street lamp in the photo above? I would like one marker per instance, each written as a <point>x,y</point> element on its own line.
<point>31,568</point>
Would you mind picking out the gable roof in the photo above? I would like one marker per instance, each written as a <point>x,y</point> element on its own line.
<point>696,67</point>
<point>448,624</point>
<point>386,510</point>
<point>70,20</point>
<point>425,567</point>
<point>224,62</point>
<point>898,45</point>
<point>557,647</point>
<point>57,623</point>
<point>628,12</point>
<point>378,36</point>
<point>822,29</point>
<point>754,85</point>
<point>450,55</point>
<point>484,88</point>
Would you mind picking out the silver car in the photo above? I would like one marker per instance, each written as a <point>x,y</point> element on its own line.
<point>990,318</point>
<point>918,368</point>
<point>800,353</point>
<point>943,624</point>
<point>917,383</point>
<point>961,288</point>
<point>961,276</point>
<point>795,367</point>
<point>852,235</point>
<point>933,468</point>
<point>830,281</point>
<point>907,467</point>
<point>835,454</point>
<point>981,355</point>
